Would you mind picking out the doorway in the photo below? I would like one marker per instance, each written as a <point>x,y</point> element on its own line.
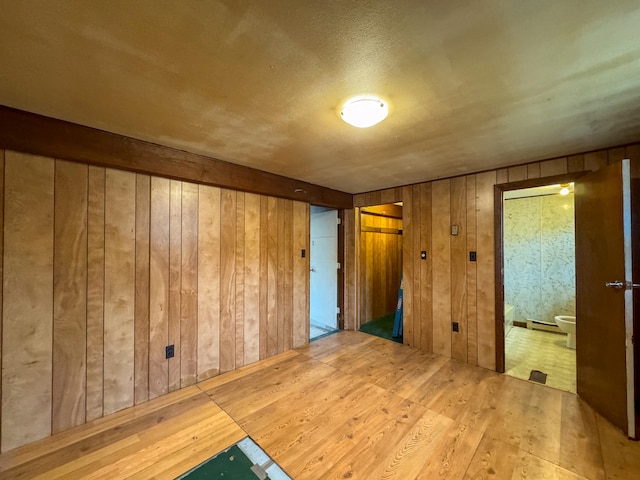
<point>538,238</point>
<point>323,277</point>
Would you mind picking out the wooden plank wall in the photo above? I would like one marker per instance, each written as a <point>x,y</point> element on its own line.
<point>381,266</point>
<point>447,287</point>
<point>102,269</point>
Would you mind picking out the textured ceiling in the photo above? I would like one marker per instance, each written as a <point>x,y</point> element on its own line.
<point>471,85</point>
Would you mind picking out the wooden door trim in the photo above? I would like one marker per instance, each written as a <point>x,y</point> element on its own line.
<point>499,189</point>
<point>39,135</point>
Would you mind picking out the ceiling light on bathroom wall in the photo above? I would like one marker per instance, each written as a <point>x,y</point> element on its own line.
<point>564,190</point>
<point>364,111</point>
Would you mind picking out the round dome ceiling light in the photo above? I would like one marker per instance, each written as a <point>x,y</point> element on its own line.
<point>364,112</point>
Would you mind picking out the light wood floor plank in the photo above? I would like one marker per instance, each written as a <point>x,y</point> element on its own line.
<point>348,406</point>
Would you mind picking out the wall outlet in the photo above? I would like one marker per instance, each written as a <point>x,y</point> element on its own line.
<point>455,326</point>
<point>472,256</point>
<point>304,253</point>
<point>169,352</point>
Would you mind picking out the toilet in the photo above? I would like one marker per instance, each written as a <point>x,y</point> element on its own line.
<point>567,324</point>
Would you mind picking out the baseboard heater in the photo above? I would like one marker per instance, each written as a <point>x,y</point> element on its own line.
<point>542,325</point>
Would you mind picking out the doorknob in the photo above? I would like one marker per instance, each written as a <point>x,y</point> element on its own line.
<point>619,285</point>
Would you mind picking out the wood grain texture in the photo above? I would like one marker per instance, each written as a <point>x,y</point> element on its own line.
<point>615,154</point>
<point>575,163</point>
<point>280,255</point>
<point>119,290</point>
<point>288,275</point>
<point>533,170</point>
<point>426,286</point>
<point>502,175</point>
<point>418,309</point>
<point>472,282</point>
<point>36,134</point>
<point>208,282</point>
<point>239,280</point>
<point>351,313</point>
<point>264,275</point>
<point>27,301</point>
<point>459,268</point>
<point>95,293</point>
<point>595,160</point>
<point>189,287</point>
<point>227,280</point>
<point>159,287</point>
<point>143,210</point>
<point>175,281</point>
<point>69,296</point>
<point>300,320</point>
<point>486,270</point>
<point>557,166</point>
<point>437,418</point>
<point>441,221</point>
<point>517,173</point>
<point>409,251</point>
<point>1,272</point>
<point>272,273</point>
<point>251,307</point>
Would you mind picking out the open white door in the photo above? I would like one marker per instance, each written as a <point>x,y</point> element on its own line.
<point>323,301</point>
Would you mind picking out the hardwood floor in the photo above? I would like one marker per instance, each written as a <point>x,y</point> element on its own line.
<point>348,406</point>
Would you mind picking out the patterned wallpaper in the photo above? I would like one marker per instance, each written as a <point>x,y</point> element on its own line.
<point>539,257</point>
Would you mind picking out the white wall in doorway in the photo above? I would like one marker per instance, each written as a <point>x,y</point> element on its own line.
<point>323,301</point>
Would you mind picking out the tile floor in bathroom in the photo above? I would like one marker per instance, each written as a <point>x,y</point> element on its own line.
<point>527,350</point>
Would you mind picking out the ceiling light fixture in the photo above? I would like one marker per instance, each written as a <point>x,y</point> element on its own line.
<point>364,111</point>
<point>565,189</point>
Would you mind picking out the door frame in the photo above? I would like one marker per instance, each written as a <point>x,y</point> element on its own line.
<point>498,190</point>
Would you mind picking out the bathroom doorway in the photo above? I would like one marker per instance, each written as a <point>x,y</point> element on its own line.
<point>538,258</point>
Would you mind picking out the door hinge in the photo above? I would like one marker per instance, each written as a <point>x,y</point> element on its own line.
<point>338,310</point>
<point>338,266</point>
<point>338,221</point>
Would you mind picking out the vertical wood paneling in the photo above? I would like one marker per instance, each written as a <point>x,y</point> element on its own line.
<point>119,290</point>
<point>264,275</point>
<point>95,293</point>
<point>239,289</point>
<point>459,268</point>
<point>1,271</point>
<point>28,306</point>
<point>595,160</point>
<point>175,280</point>
<point>441,217</point>
<point>472,317</point>
<point>69,295</point>
<point>409,252</point>
<point>557,166</point>
<point>280,273</point>
<point>159,287</point>
<point>517,173</point>
<point>533,170</point>
<point>227,280</point>
<point>143,208</point>
<point>208,282</point>
<point>300,274</point>
<point>189,287</point>
<point>615,154</point>
<point>575,163</point>
<point>416,232</point>
<point>351,268</point>
<point>288,275</point>
<point>502,175</point>
<point>251,334</point>
<point>486,270</point>
<point>272,273</point>
<point>426,286</point>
